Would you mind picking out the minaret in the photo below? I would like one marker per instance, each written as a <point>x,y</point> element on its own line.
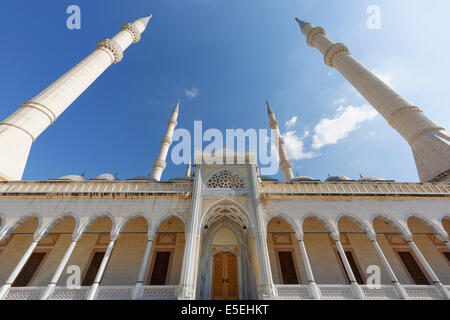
<point>21,129</point>
<point>430,143</point>
<point>189,169</point>
<point>285,164</point>
<point>160,164</point>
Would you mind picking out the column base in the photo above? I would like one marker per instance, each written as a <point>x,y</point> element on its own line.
<point>186,292</point>
<point>48,292</point>
<point>266,292</point>
<point>4,291</point>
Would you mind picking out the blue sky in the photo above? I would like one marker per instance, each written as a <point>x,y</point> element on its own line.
<point>234,55</point>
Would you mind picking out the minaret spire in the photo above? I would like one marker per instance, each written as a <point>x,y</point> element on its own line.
<point>160,164</point>
<point>430,143</point>
<point>188,169</point>
<point>285,164</point>
<point>21,129</point>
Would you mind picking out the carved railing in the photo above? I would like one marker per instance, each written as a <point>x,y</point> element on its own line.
<point>115,293</point>
<point>93,187</point>
<point>382,292</point>
<point>295,292</point>
<point>286,291</point>
<point>64,293</point>
<point>336,291</point>
<point>356,188</point>
<point>25,293</point>
<point>159,293</point>
<point>423,292</point>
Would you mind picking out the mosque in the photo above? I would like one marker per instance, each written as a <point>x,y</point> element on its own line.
<point>223,231</point>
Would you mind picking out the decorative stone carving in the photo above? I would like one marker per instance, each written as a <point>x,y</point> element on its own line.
<point>131,28</point>
<point>112,48</point>
<point>159,163</point>
<point>313,34</point>
<point>333,51</point>
<point>226,178</point>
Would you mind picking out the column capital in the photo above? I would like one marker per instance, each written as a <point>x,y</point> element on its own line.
<point>151,236</point>
<point>112,48</point>
<point>336,236</point>
<point>300,236</point>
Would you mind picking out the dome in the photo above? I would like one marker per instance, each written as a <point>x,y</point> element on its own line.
<point>143,178</point>
<point>106,176</point>
<point>268,178</point>
<point>303,179</point>
<point>372,179</point>
<point>337,177</point>
<point>72,177</point>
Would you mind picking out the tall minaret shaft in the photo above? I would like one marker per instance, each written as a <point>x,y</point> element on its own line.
<point>20,130</point>
<point>285,164</point>
<point>429,142</point>
<point>160,164</point>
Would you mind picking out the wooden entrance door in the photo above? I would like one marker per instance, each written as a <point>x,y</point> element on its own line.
<point>225,277</point>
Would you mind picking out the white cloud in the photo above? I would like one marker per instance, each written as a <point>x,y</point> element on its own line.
<point>340,101</point>
<point>346,120</point>
<point>291,123</point>
<point>295,146</point>
<point>192,93</point>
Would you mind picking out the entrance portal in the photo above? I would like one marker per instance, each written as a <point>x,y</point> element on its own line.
<point>225,277</point>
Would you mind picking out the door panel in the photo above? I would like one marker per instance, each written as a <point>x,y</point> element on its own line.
<point>225,284</point>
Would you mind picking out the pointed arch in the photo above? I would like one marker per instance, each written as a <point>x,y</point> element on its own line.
<point>168,216</point>
<point>19,221</point>
<point>328,225</point>
<point>441,220</point>
<point>92,219</point>
<point>392,222</point>
<point>430,224</point>
<point>286,218</point>
<point>240,212</point>
<point>57,220</point>
<point>131,217</point>
<point>361,223</point>
<point>2,221</point>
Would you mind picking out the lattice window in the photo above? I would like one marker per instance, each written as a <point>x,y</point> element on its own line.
<point>92,270</point>
<point>413,268</point>
<point>226,178</point>
<point>29,269</point>
<point>160,268</point>
<point>287,266</point>
<point>353,265</point>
